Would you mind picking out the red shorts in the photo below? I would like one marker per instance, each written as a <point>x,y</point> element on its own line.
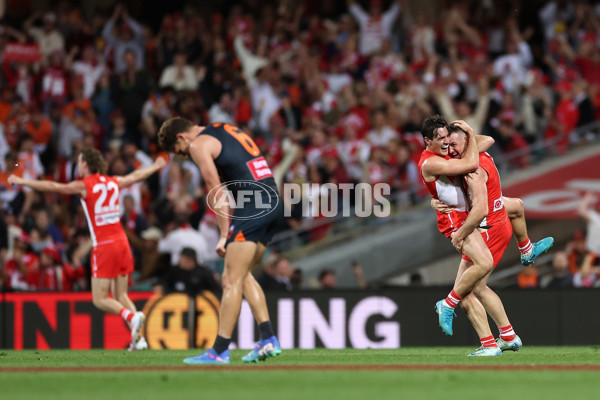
<point>111,260</point>
<point>497,239</point>
<point>448,223</point>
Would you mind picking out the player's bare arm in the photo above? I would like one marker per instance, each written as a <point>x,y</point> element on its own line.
<point>476,182</point>
<point>586,204</point>
<point>203,151</point>
<point>484,142</point>
<point>436,166</point>
<point>141,174</point>
<point>75,187</point>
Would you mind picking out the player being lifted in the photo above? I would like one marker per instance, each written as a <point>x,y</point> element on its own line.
<point>486,211</point>
<point>224,151</point>
<point>111,257</point>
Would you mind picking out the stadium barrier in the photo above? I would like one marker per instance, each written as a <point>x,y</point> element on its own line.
<point>389,318</point>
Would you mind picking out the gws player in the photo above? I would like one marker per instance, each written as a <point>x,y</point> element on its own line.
<point>224,151</point>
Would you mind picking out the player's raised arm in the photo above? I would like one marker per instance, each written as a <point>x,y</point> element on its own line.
<point>476,182</point>
<point>586,205</point>
<point>75,187</point>
<point>141,174</point>
<point>203,151</point>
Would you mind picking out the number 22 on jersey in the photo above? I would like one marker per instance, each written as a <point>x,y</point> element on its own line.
<point>106,213</point>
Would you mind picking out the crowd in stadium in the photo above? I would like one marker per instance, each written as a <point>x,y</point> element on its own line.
<point>329,95</point>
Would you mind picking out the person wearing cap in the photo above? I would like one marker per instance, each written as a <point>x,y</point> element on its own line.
<point>49,38</point>
<point>187,276</point>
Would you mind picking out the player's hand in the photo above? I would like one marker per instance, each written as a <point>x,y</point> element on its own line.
<point>221,250</point>
<point>457,241</point>
<point>160,162</point>
<point>440,206</point>
<point>462,125</point>
<point>15,180</point>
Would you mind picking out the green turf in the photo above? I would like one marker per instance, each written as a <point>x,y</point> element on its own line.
<point>253,383</point>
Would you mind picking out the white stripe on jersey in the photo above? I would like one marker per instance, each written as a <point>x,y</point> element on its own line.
<point>89,221</point>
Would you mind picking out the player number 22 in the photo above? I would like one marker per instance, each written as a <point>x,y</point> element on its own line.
<point>244,139</point>
<point>100,208</point>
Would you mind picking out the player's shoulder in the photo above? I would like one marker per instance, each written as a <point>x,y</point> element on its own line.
<point>214,127</point>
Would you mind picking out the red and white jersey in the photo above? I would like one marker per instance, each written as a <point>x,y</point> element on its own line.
<point>496,211</point>
<point>101,207</point>
<point>449,190</point>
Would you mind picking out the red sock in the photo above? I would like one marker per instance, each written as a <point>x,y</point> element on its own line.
<point>525,246</point>
<point>507,333</point>
<point>488,342</point>
<point>453,299</point>
<point>126,314</point>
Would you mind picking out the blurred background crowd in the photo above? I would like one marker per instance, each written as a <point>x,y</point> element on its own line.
<point>331,91</point>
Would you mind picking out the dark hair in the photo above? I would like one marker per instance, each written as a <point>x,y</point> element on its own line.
<point>326,272</point>
<point>94,160</point>
<point>432,124</point>
<point>24,137</point>
<point>455,129</point>
<point>167,135</point>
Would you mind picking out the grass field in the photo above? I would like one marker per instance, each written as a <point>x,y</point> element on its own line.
<point>565,373</point>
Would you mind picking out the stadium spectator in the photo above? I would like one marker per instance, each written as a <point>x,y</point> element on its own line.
<point>187,276</point>
<point>183,235</point>
<point>223,110</point>
<point>561,276</point>
<point>49,38</point>
<point>528,278</point>
<point>180,76</point>
<point>327,279</point>
<point>131,87</point>
<point>55,275</point>
<point>21,271</point>
<point>416,279</point>
<point>276,275</point>
<point>46,225</point>
<point>375,26</point>
<point>300,80</point>
<point>123,34</point>
<point>88,69</point>
<point>576,251</point>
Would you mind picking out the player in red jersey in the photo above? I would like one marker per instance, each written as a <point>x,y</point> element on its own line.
<point>436,168</point>
<point>111,257</point>
<point>496,223</point>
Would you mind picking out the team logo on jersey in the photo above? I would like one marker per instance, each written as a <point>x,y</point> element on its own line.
<point>498,204</point>
<point>244,199</point>
<point>259,168</point>
<point>178,321</point>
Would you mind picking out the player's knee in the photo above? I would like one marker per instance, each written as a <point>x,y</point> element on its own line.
<point>487,263</point>
<point>520,209</point>
<point>231,283</point>
<point>98,301</point>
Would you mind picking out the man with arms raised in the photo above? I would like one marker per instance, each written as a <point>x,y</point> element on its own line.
<point>111,257</point>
